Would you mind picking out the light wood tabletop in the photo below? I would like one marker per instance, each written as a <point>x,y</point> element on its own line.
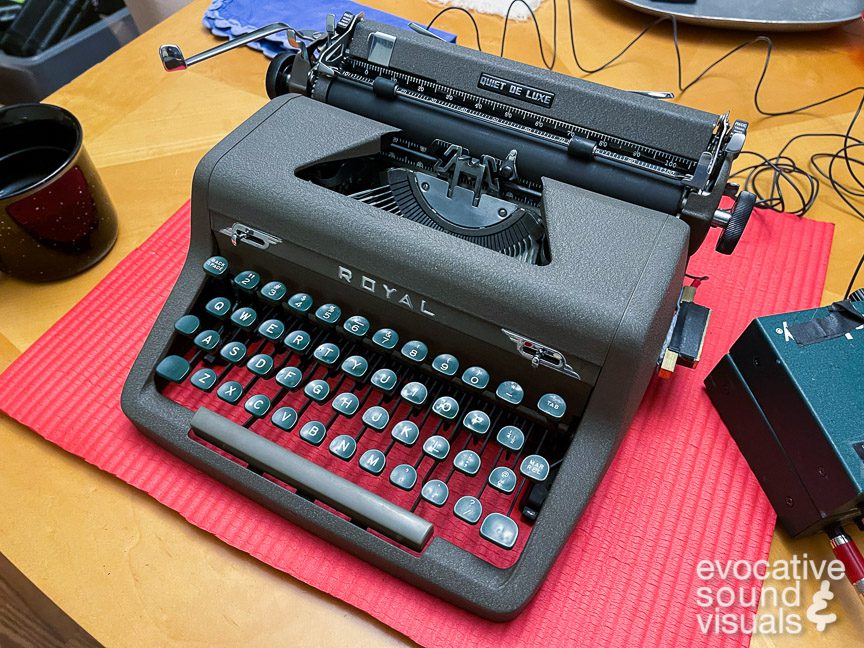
<point>133,572</point>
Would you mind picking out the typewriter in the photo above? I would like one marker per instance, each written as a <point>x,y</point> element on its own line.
<point>425,292</point>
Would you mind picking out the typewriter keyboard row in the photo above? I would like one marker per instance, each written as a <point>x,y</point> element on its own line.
<point>434,437</point>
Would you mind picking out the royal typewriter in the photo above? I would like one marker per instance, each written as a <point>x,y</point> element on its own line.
<point>425,292</point>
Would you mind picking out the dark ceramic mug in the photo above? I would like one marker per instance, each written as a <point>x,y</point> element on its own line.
<point>56,218</point>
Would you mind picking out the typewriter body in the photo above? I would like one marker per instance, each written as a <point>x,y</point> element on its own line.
<point>420,322</point>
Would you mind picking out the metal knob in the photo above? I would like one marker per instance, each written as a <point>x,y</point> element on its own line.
<point>734,223</point>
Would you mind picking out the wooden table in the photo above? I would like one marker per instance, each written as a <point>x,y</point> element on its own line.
<point>132,572</point>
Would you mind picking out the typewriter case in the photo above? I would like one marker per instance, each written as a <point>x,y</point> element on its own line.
<point>605,301</point>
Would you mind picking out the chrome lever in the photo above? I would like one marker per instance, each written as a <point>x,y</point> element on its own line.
<point>173,59</point>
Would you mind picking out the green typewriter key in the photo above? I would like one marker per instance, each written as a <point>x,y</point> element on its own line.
<point>273,292</point>
<point>244,317</point>
<point>257,405</point>
<point>386,338</point>
<point>356,325</point>
<point>247,280</point>
<point>272,329</point>
<point>173,368</point>
<point>284,418</point>
<point>216,266</point>
<point>328,313</point>
<point>218,307</point>
<point>204,379</point>
<point>300,302</point>
<point>187,325</point>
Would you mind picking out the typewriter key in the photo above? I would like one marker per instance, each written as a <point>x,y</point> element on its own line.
<point>373,461</point>
<point>446,364</point>
<point>499,529</point>
<point>244,317</point>
<point>218,307</point>
<point>468,509</point>
<point>446,407</point>
<point>384,379</point>
<point>386,338</point>
<point>510,392</point>
<point>260,364</point>
<point>511,437</point>
<point>328,313</point>
<point>187,325</point>
<point>435,492</point>
<point>271,329</point>
<point>343,446</point>
<point>173,368</point>
<point>376,418</point>
<point>436,447</point>
<point>230,392</point>
<point>207,340</point>
<point>284,418</point>
<point>274,292</point>
<point>300,302</point>
<point>247,280</point>
<point>552,405</point>
<point>313,432</point>
<point>403,476</point>
<point>355,366</point>
<point>257,405</point>
<point>346,403</point>
<point>297,340</point>
<point>414,392</point>
<point>356,325</point>
<point>327,353</point>
<point>477,421</point>
<point>535,467</point>
<point>216,266</point>
<point>467,462</point>
<point>406,432</point>
<point>233,352</point>
<point>289,377</point>
<point>204,379</point>
<point>415,350</point>
<point>317,390</point>
<point>502,479</point>
<point>476,377</point>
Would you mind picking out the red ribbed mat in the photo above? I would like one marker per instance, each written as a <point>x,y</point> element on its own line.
<point>678,491</point>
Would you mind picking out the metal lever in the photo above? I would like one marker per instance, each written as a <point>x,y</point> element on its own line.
<point>173,59</point>
<point>420,29</point>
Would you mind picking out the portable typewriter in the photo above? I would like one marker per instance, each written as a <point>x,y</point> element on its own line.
<point>425,293</point>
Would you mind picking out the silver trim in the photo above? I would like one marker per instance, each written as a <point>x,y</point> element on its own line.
<point>541,354</point>
<point>240,233</point>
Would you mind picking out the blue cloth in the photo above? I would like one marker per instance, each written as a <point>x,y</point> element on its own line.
<point>230,18</point>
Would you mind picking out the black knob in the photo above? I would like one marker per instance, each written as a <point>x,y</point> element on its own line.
<point>278,74</point>
<point>857,296</point>
<point>737,223</point>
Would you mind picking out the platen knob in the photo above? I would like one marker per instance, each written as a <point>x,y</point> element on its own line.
<point>857,295</point>
<point>737,223</point>
<point>278,74</point>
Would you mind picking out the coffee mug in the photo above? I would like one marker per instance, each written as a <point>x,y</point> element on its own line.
<point>56,218</point>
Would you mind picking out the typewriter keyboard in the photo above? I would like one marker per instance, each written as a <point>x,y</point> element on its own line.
<point>439,439</point>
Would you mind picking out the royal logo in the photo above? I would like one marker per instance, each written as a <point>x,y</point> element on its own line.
<point>382,289</point>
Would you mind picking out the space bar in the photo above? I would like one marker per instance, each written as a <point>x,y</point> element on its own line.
<point>347,497</point>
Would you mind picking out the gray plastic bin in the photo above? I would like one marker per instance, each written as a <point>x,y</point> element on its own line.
<point>35,77</point>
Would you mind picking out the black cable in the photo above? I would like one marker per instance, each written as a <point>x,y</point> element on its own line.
<point>447,10</point>
<point>854,277</point>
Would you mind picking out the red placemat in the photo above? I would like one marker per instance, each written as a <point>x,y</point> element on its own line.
<point>678,491</point>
